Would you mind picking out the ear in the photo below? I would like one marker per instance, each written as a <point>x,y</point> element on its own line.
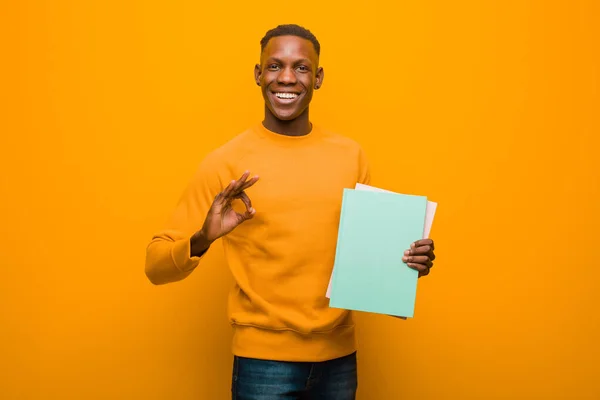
<point>319,78</point>
<point>257,74</point>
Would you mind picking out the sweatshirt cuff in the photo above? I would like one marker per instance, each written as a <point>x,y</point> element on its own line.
<point>180,253</point>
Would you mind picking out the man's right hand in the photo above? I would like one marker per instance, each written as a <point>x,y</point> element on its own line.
<point>222,218</point>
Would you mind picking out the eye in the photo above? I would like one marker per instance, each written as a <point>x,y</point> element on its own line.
<point>303,68</point>
<point>272,67</point>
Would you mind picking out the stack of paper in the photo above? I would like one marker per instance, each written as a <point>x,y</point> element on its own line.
<point>376,227</point>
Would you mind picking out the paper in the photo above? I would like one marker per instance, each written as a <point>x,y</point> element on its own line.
<point>429,214</point>
<point>369,274</point>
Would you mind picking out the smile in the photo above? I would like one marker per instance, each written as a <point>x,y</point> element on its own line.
<point>286,95</point>
<point>284,99</point>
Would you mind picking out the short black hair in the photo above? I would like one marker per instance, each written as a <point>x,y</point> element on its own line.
<point>291,30</point>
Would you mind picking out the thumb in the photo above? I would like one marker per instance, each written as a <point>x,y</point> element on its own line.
<point>248,214</point>
<point>240,219</point>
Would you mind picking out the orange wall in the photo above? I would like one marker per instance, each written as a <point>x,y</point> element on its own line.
<point>489,108</point>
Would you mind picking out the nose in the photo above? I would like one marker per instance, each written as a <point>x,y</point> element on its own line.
<point>286,77</point>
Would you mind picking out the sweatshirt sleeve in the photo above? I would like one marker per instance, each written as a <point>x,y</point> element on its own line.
<point>168,256</point>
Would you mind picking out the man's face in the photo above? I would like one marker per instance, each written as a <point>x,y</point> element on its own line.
<point>288,73</point>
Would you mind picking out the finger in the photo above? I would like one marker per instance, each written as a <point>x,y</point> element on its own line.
<point>424,273</point>
<point>246,215</point>
<point>416,259</point>
<point>231,188</point>
<point>427,264</point>
<point>249,183</point>
<point>418,267</point>
<point>249,213</point>
<point>234,185</point>
<point>244,176</point>
<point>225,192</point>
<point>240,182</point>
<point>246,200</point>
<point>422,250</point>
<point>422,242</point>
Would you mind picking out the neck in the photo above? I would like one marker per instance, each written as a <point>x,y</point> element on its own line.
<point>299,126</point>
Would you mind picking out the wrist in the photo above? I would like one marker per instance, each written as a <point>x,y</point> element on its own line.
<point>199,244</point>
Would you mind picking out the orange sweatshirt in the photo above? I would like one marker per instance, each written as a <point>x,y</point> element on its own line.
<point>281,259</point>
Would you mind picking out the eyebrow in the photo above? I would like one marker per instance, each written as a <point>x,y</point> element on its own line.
<point>275,59</point>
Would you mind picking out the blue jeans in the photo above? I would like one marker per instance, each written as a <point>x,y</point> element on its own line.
<point>255,379</point>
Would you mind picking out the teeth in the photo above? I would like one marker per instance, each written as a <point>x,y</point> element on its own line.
<point>286,95</point>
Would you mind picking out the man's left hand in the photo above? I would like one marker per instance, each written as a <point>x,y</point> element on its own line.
<point>420,256</point>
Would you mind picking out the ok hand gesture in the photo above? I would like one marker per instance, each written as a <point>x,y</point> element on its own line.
<point>222,218</point>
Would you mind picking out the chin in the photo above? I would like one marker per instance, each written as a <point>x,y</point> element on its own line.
<point>286,115</point>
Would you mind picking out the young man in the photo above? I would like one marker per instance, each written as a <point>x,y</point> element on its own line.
<point>280,245</point>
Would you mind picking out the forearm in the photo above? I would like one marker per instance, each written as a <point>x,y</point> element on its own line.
<point>199,244</point>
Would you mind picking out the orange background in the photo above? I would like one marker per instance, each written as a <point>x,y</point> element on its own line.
<point>489,108</point>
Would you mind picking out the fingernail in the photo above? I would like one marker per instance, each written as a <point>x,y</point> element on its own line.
<point>407,252</point>
<point>405,259</point>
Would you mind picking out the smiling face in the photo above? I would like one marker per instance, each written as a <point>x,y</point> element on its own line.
<point>288,73</point>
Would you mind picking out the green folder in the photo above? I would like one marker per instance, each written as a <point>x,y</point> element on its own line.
<point>374,231</point>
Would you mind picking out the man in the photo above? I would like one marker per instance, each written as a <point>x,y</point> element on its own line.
<point>280,245</point>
